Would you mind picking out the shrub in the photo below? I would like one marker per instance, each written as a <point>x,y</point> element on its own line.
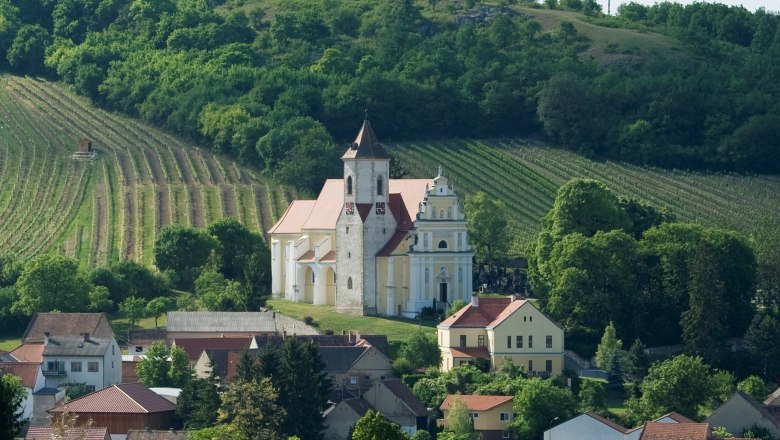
<point>308,320</point>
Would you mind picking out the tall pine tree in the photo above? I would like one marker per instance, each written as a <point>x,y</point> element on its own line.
<point>303,389</point>
<point>704,324</point>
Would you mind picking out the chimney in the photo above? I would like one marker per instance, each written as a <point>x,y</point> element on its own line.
<point>512,298</point>
<point>474,300</point>
<point>45,338</point>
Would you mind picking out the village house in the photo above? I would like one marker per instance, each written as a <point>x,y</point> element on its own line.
<point>389,397</point>
<point>591,426</point>
<point>491,414</point>
<point>32,380</point>
<point>742,411</point>
<point>500,329</point>
<point>77,433</point>
<point>372,245</point>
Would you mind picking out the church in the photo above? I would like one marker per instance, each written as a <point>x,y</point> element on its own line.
<point>372,245</point>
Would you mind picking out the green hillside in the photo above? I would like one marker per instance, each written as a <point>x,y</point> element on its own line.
<point>527,175</point>
<point>113,207</point>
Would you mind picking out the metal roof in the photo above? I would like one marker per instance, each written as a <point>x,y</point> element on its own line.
<point>251,322</point>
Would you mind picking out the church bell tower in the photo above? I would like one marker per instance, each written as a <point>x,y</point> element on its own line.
<point>365,223</point>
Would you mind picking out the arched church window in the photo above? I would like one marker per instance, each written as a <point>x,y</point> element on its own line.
<point>379,186</point>
<point>313,277</point>
<point>349,283</point>
<point>443,244</point>
<point>349,185</point>
<point>427,275</point>
<point>425,240</point>
<point>449,212</point>
<point>460,242</point>
<point>441,213</point>
<point>460,275</point>
<point>334,277</point>
<point>433,213</point>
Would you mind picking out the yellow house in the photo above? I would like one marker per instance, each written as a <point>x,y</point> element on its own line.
<point>491,414</point>
<point>497,329</point>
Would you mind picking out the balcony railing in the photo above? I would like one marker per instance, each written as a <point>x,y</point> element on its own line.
<point>58,372</point>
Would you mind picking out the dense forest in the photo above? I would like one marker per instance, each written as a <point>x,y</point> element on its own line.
<point>281,84</point>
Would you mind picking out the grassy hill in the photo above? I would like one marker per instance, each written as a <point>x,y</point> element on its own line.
<point>527,175</point>
<point>111,208</point>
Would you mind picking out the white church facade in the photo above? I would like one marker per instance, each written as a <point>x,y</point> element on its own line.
<point>371,245</point>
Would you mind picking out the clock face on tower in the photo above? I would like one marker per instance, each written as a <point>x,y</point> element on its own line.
<point>380,208</point>
<point>349,208</point>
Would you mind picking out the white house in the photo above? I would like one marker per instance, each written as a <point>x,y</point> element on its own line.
<point>591,426</point>
<point>32,380</point>
<point>97,362</point>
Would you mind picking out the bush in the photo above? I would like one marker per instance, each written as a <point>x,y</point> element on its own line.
<point>308,320</point>
<point>402,366</point>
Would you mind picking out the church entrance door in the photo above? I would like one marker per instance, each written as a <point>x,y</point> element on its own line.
<point>443,292</point>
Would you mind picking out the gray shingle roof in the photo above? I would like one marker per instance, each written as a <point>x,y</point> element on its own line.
<point>76,346</point>
<point>254,322</point>
<point>340,359</point>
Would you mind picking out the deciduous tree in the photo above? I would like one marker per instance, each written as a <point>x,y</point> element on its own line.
<point>487,227</point>
<point>51,282</point>
<point>184,251</point>
<point>374,426</point>
<point>252,407</point>
<point>538,402</point>
<point>11,398</point>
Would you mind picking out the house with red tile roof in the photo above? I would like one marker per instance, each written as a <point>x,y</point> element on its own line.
<point>32,380</point>
<point>501,329</point>
<point>370,244</point>
<point>121,408</point>
<point>78,433</point>
<point>591,426</point>
<point>491,414</point>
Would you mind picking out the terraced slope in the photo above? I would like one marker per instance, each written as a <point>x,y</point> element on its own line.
<point>111,208</point>
<point>527,177</point>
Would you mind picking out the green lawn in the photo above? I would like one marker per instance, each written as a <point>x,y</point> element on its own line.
<point>325,317</point>
<point>9,344</point>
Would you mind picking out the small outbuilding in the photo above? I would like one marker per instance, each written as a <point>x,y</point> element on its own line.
<point>122,407</point>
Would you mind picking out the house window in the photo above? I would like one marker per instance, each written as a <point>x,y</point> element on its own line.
<point>112,350</point>
<point>480,340</point>
<point>462,340</point>
<point>519,342</point>
<point>347,230</point>
<point>379,186</point>
<point>508,342</point>
<point>90,388</point>
<point>506,434</point>
<point>349,283</point>
<point>548,341</point>
<point>504,417</point>
<point>75,367</point>
<point>548,366</point>
<point>443,244</point>
<point>530,319</point>
<point>92,367</point>
<point>353,380</point>
<point>530,341</point>
<point>530,366</point>
<point>474,415</point>
<point>349,185</point>
<point>139,349</point>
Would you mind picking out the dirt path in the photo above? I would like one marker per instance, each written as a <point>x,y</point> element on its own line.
<point>261,206</point>
<point>228,201</point>
<point>153,160</point>
<point>128,239</point>
<point>196,206</point>
<point>184,166</point>
<point>162,214</point>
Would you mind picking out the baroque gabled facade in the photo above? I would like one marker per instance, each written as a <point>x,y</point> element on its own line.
<point>373,245</point>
